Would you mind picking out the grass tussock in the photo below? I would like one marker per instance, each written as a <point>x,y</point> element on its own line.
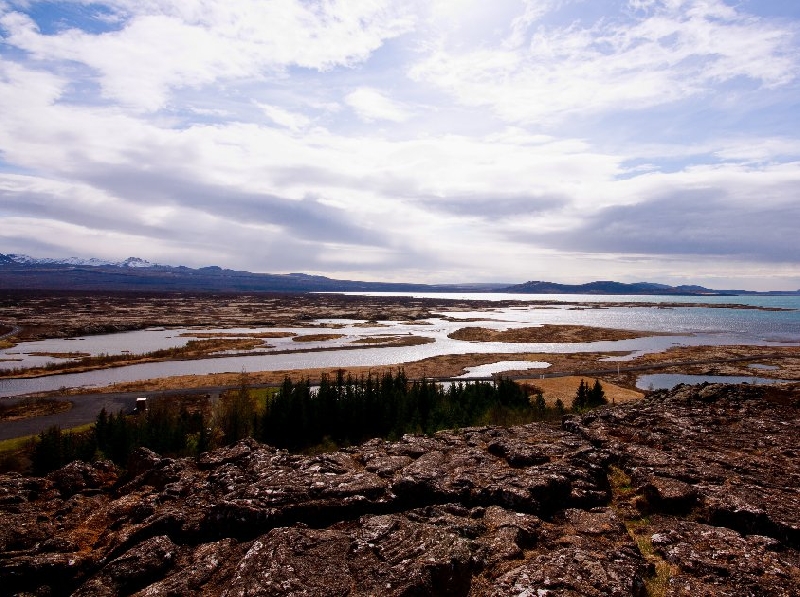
<point>620,481</point>
<point>657,583</point>
<point>639,529</point>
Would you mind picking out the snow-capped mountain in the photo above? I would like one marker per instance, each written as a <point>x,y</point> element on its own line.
<point>136,262</point>
<point>17,258</point>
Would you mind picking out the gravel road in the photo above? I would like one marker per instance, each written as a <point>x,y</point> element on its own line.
<point>85,408</point>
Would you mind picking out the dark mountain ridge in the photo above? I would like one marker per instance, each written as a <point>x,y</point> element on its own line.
<point>21,272</point>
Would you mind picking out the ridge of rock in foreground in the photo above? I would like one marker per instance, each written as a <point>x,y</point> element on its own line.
<point>710,505</point>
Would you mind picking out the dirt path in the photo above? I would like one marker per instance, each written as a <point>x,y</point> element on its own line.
<point>85,408</point>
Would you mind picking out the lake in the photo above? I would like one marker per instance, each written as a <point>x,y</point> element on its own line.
<point>683,326</point>
<point>667,381</point>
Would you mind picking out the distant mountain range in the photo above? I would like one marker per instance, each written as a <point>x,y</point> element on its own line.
<point>22,272</point>
<point>28,260</point>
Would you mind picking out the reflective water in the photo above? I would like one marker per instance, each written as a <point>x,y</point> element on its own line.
<point>491,368</point>
<point>684,325</point>
<point>667,381</point>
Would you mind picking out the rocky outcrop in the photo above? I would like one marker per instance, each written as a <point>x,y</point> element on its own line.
<point>689,492</point>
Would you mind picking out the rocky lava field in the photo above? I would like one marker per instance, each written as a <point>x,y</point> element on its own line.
<point>690,492</point>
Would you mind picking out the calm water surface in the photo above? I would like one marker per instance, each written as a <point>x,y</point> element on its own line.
<point>688,326</point>
<point>667,381</point>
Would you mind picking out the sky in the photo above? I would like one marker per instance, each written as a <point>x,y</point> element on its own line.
<point>413,140</point>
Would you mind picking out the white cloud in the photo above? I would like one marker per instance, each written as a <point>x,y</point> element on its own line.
<point>676,51</point>
<point>51,236</point>
<point>165,46</point>
<point>281,117</point>
<point>755,150</point>
<point>289,136</point>
<point>371,105</point>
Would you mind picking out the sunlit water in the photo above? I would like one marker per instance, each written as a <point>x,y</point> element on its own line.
<point>687,326</point>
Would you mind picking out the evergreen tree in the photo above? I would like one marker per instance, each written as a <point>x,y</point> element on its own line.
<point>236,413</point>
<point>597,395</point>
<point>48,454</point>
<point>539,405</point>
<point>101,431</point>
<point>581,401</point>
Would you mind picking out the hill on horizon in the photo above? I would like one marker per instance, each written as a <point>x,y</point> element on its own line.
<point>22,272</point>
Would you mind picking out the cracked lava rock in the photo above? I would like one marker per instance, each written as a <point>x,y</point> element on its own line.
<point>709,504</point>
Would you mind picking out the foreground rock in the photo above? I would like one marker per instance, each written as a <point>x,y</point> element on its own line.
<point>709,506</point>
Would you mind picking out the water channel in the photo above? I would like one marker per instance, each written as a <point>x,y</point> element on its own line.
<point>682,326</point>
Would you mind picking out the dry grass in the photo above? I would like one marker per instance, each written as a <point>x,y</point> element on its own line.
<point>546,333</point>
<point>640,531</point>
<point>233,379</point>
<point>14,444</point>
<point>33,407</point>
<point>393,341</point>
<point>619,480</point>
<point>438,366</point>
<point>317,337</point>
<point>194,349</point>
<point>61,355</point>
<point>564,388</point>
<point>382,339</point>
<point>237,334</point>
<point>657,584</point>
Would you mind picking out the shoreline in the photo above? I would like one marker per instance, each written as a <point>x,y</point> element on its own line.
<point>318,314</point>
<point>41,316</point>
<point>692,360</point>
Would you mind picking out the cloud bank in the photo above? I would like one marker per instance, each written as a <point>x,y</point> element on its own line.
<point>420,141</point>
